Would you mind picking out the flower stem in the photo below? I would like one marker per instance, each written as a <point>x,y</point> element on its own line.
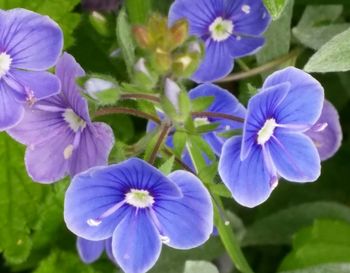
<point>132,96</point>
<point>217,115</point>
<point>264,68</point>
<point>165,127</point>
<point>124,110</point>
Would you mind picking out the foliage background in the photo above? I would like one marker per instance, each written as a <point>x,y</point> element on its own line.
<point>300,229</point>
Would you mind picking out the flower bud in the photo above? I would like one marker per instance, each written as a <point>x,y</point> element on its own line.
<point>142,37</point>
<point>179,33</point>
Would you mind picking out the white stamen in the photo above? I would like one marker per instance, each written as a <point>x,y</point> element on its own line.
<point>139,198</point>
<point>68,151</point>
<point>74,121</point>
<point>164,239</point>
<point>5,63</point>
<point>221,29</point>
<point>266,131</point>
<point>93,222</point>
<point>246,9</point>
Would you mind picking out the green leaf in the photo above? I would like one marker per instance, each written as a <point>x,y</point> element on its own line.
<point>200,266</point>
<point>328,268</point>
<point>125,41</point>
<point>206,128</point>
<point>279,227</point>
<point>20,201</point>
<point>167,166</point>
<point>138,10</point>
<point>275,7</point>
<point>180,138</point>
<point>333,56</point>
<point>220,190</point>
<point>202,103</point>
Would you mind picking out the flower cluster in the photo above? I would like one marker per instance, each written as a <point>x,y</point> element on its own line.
<point>129,208</point>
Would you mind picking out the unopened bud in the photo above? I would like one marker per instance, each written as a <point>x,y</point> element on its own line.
<point>185,65</point>
<point>142,36</point>
<point>162,60</point>
<point>179,33</point>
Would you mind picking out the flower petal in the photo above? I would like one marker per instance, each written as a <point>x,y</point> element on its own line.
<point>216,63</point>
<point>11,111</point>
<point>68,70</point>
<point>109,251</point>
<point>33,41</point>
<point>328,140</point>
<point>304,102</point>
<point>295,156</point>
<point>249,180</point>
<point>261,107</point>
<point>89,195</point>
<point>187,222</point>
<point>96,142</point>
<point>240,46</point>
<point>89,251</point>
<point>40,85</point>
<point>136,244</point>
<point>45,161</point>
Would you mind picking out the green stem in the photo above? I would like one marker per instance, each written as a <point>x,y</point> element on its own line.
<point>264,68</point>
<point>242,64</point>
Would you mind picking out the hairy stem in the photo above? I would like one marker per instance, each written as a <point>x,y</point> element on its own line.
<point>169,152</point>
<point>165,127</point>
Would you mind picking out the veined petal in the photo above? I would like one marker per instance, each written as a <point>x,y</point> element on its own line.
<point>96,142</point>
<point>136,243</point>
<point>249,180</point>
<point>216,63</point>
<point>89,196</point>
<point>304,102</point>
<point>295,156</point>
<point>11,111</point>
<point>33,41</point>
<point>187,222</point>
<point>261,107</point>
<point>240,45</point>
<point>89,251</point>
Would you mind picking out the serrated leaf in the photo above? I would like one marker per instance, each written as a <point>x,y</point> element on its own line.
<point>334,56</point>
<point>275,7</point>
<point>200,266</point>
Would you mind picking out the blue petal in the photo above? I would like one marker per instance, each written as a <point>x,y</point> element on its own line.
<point>249,180</point>
<point>109,251</point>
<point>240,46</point>
<point>216,63</point>
<point>187,222</point>
<point>260,108</point>
<point>304,102</point>
<point>89,251</point>
<point>295,156</point>
<point>136,243</point>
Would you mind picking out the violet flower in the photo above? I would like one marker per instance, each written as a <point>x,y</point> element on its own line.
<point>29,44</point>
<point>229,28</point>
<point>91,251</point>
<point>60,136</point>
<point>274,143</point>
<point>140,208</point>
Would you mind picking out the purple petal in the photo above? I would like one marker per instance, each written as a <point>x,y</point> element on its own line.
<point>33,41</point>
<point>35,85</point>
<point>216,63</point>
<point>327,140</point>
<point>96,142</point>
<point>304,102</point>
<point>68,70</point>
<point>240,46</point>
<point>249,16</point>
<point>295,156</point>
<point>200,14</point>
<point>89,251</point>
<point>260,108</point>
<point>11,111</point>
<point>249,180</point>
<point>45,161</point>
<point>136,243</point>
<point>89,196</point>
<point>187,222</point>
<point>109,251</point>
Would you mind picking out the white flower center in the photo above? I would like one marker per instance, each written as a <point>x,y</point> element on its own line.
<point>74,121</point>
<point>266,131</point>
<point>139,198</point>
<point>5,63</point>
<point>221,29</point>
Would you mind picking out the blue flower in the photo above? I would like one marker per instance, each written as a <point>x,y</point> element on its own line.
<point>140,208</point>
<point>90,251</point>
<point>273,144</point>
<point>229,29</point>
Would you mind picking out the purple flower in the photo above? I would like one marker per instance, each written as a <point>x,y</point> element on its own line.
<point>140,208</point>
<point>326,133</point>
<point>273,144</point>
<point>229,29</point>
<point>91,251</point>
<point>29,44</point>
<point>60,136</point>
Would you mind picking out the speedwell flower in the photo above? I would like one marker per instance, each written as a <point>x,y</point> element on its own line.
<point>229,29</point>
<point>29,44</point>
<point>90,251</point>
<point>60,136</point>
<point>273,144</point>
<point>140,208</point>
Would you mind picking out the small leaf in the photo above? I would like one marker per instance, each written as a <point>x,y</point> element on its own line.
<point>201,103</point>
<point>167,166</point>
<point>275,7</point>
<point>200,266</point>
<point>179,140</point>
